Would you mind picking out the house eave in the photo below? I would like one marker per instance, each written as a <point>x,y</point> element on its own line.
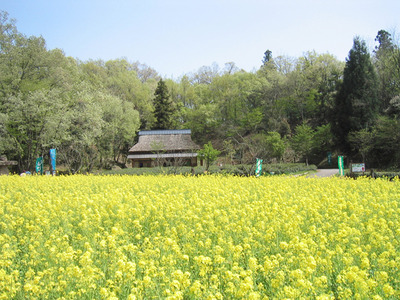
<point>162,155</point>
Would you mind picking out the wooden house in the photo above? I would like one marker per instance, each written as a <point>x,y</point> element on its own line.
<point>164,147</point>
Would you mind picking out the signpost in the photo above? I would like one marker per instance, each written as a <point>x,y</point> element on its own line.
<point>340,165</point>
<point>358,168</point>
<point>258,167</point>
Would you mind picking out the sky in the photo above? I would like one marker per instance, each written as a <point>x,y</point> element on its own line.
<point>177,37</point>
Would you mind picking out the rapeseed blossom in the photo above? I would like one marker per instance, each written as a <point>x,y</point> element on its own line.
<point>206,237</point>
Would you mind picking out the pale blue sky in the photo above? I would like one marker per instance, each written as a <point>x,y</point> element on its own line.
<point>176,37</point>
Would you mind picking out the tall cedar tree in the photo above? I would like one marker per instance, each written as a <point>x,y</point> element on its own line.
<point>163,107</point>
<point>356,104</point>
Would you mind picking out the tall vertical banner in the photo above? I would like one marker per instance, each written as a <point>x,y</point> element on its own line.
<point>330,158</point>
<point>258,167</point>
<point>340,165</point>
<point>53,161</point>
<point>39,165</point>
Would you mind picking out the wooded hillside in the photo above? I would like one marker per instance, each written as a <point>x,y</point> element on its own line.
<point>292,109</point>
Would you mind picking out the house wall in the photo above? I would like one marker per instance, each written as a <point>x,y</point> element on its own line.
<point>148,163</point>
<point>142,163</point>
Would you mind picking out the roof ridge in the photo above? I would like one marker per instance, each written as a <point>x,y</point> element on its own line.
<point>165,131</point>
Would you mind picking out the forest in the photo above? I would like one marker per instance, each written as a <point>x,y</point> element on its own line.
<point>288,110</point>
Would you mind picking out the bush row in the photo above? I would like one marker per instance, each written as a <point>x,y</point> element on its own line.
<point>238,170</point>
<point>372,174</point>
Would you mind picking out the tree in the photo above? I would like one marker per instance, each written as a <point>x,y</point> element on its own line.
<point>78,148</point>
<point>322,140</point>
<point>230,68</point>
<point>311,89</point>
<point>394,107</point>
<point>302,141</point>
<point>356,104</point>
<point>121,79</point>
<point>163,107</point>
<point>144,72</point>
<point>268,63</point>
<point>121,122</point>
<point>387,63</point>
<point>8,31</point>
<point>384,39</point>
<point>205,74</point>
<point>275,145</point>
<point>362,141</point>
<point>386,141</point>
<point>267,57</point>
<point>202,121</point>
<point>229,150</point>
<point>34,121</point>
<point>209,154</point>
<point>250,147</point>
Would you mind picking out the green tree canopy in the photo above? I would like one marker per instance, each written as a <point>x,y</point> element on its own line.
<point>302,141</point>
<point>387,64</point>
<point>209,154</point>
<point>275,145</point>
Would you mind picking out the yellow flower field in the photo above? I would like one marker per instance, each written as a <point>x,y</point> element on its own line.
<point>207,237</point>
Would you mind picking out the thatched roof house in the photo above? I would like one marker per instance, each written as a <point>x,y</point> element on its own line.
<point>165,147</point>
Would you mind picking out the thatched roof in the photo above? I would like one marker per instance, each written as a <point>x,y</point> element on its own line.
<point>162,155</point>
<point>8,163</point>
<point>5,162</point>
<point>164,140</point>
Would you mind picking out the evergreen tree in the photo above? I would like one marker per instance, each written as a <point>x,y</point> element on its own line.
<point>163,107</point>
<point>356,104</point>
<point>384,39</point>
<point>267,57</point>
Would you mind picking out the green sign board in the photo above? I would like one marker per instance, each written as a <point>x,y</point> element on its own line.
<point>258,167</point>
<point>341,165</point>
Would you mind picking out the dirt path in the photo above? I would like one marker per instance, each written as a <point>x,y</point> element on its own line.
<point>324,173</point>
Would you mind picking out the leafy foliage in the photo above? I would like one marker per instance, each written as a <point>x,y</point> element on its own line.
<point>302,141</point>
<point>91,111</point>
<point>209,154</point>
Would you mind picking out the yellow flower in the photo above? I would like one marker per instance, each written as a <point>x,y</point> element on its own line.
<point>104,292</point>
<point>146,280</point>
<point>388,290</point>
<point>365,263</point>
<point>196,288</point>
<point>98,235</point>
<point>131,297</point>
<point>253,264</point>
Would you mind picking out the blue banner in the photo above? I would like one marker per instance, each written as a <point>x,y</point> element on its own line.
<point>53,160</point>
